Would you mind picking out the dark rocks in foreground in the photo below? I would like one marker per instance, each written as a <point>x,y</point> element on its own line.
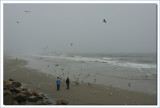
<point>15,95</point>
<point>11,79</point>
<point>62,102</point>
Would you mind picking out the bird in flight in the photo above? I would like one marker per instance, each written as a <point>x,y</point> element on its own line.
<point>17,22</point>
<point>104,20</point>
<point>71,44</point>
<point>27,11</point>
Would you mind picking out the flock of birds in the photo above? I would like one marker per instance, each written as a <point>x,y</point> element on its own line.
<point>26,11</point>
<point>71,44</point>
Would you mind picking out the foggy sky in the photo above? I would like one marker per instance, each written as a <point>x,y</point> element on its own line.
<point>130,28</point>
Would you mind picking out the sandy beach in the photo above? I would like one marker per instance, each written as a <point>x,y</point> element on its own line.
<point>81,94</point>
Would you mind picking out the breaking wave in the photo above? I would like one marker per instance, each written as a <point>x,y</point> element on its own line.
<point>109,60</point>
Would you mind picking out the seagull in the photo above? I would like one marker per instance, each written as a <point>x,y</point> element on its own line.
<point>104,20</point>
<point>71,44</point>
<point>27,11</point>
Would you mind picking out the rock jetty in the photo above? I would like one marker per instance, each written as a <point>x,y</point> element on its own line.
<point>14,94</point>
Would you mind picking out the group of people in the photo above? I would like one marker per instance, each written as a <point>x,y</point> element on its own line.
<point>58,82</point>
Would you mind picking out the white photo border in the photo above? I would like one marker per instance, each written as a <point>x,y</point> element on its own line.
<point>75,2</point>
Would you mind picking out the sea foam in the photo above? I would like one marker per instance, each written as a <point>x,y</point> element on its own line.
<point>109,60</point>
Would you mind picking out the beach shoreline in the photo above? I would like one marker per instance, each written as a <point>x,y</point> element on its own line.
<point>78,94</point>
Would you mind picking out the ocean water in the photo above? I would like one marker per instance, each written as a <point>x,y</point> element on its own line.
<point>135,72</point>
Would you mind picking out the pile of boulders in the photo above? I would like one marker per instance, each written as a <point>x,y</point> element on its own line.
<point>14,94</point>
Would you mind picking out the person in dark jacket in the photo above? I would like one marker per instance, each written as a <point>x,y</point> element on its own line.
<point>67,82</point>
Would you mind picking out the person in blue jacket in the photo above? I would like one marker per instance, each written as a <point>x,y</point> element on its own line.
<point>58,82</point>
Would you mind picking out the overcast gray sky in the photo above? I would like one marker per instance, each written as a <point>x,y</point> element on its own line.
<point>129,28</point>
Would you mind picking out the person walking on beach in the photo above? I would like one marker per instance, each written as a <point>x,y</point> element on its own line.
<point>67,82</point>
<point>58,82</point>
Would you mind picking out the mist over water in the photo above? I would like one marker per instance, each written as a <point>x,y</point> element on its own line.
<point>72,40</point>
<point>52,28</point>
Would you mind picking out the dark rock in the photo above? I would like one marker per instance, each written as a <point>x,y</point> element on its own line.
<point>62,102</point>
<point>33,93</point>
<point>8,84</point>
<point>25,89</point>
<point>32,99</point>
<point>30,103</point>
<point>26,93</point>
<point>7,92</point>
<point>19,89</point>
<point>20,98</point>
<point>5,88</point>
<point>13,90</point>
<point>16,84</point>
<point>46,102</point>
<point>14,95</point>
<point>8,100</point>
<point>40,102</point>
<point>40,98</point>
<point>11,79</point>
<point>15,103</point>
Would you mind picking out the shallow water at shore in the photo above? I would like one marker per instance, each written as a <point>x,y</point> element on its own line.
<point>102,73</point>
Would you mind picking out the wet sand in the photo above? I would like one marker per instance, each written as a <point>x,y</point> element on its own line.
<point>81,94</point>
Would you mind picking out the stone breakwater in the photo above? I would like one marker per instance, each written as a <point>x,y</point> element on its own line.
<point>15,94</point>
